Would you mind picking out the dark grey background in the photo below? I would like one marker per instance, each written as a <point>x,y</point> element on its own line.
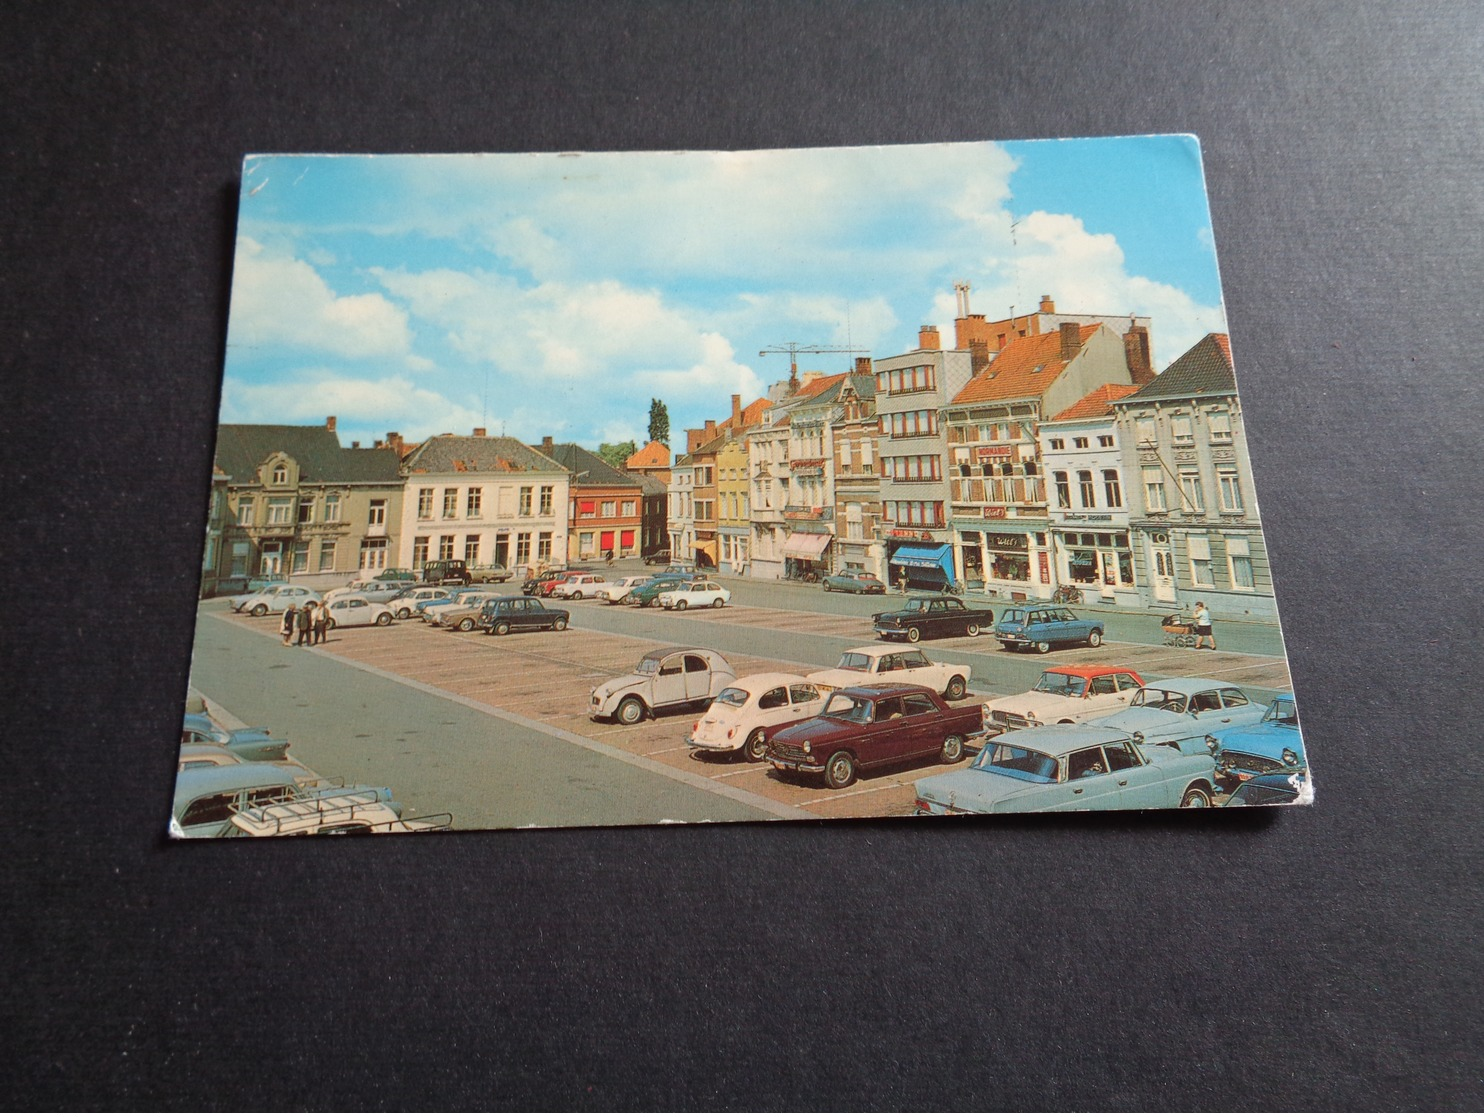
<point>1321,958</point>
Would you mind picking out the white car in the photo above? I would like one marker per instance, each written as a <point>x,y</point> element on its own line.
<point>281,597</point>
<point>740,716</point>
<point>700,595</point>
<point>466,599</point>
<point>371,590</point>
<point>348,611</point>
<point>579,586</point>
<point>615,591</point>
<point>406,603</point>
<point>1063,696</point>
<point>883,663</point>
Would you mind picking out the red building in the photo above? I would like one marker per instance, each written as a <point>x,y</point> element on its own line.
<point>605,510</point>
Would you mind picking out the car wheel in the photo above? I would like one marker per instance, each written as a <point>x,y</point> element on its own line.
<point>756,748</point>
<point>329,623</point>
<point>839,771</point>
<point>1007,647</point>
<point>403,614</point>
<point>957,687</point>
<point>383,619</point>
<point>914,634</point>
<point>1042,647</point>
<point>682,604</point>
<point>502,628</point>
<point>259,609</point>
<point>953,749</point>
<point>560,624</point>
<point>1196,796</point>
<point>466,625</point>
<point>972,630</point>
<point>630,711</point>
<point>1094,638</point>
<point>718,603</point>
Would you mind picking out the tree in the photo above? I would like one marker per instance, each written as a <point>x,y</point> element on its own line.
<point>616,453</point>
<point>659,422</point>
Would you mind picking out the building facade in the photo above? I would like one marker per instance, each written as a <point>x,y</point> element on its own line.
<point>605,506</point>
<point>857,482</point>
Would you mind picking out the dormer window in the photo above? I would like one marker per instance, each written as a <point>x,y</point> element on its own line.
<point>280,474</point>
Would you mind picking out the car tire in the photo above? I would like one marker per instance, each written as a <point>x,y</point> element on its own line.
<point>914,634</point>
<point>1195,796</point>
<point>560,624</point>
<point>839,771</point>
<point>682,604</point>
<point>383,619</point>
<point>957,687</point>
<point>1094,638</point>
<point>826,587</point>
<point>718,603</point>
<point>630,711</point>
<point>259,609</point>
<point>502,628</point>
<point>1007,647</point>
<point>466,625</point>
<point>1042,647</point>
<point>953,749</point>
<point>755,748</point>
<point>971,630</point>
<point>329,624</point>
<point>403,614</point>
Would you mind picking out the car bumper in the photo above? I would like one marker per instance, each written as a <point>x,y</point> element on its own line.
<point>889,633</point>
<point>712,746</point>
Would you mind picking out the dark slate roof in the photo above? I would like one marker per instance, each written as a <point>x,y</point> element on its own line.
<point>574,458</point>
<point>1205,369</point>
<point>451,453</point>
<point>242,447</point>
<point>652,486</point>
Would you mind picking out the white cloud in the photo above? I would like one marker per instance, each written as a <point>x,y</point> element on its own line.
<point>365,409</point>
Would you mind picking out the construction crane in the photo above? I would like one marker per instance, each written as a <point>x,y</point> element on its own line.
<point>794,348</point>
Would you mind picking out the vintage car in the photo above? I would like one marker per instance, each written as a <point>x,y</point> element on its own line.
<point>205,756</point>
<point>738,717</point>
<point>490,572</point>
<point>274,599</point>
<point>501,616</point>
<point>617,591</point>
<point>462,601</point>
<point>350,813</point>
<point>446,572</point>
<point>418,597</point>
<point>851,582</point>
<point>930,618</point>
<point>462,615</point>
<point>695,595</point>
<point>1276,789</point>
<point>373,590</point>
<point>541,584</point>
<point>1062,696</point>
<point>1071,768</point>
<point>1175,709</point>
<point>397,574</point>
<point>649,592</point>
<point>263,581</point>
<point>1041,626</point>
<point>1274,744</point>
<point>665,679</point>
<point>207,798</point>
<point>347,612</point>
<point>878,663</point>
<point>579,585</point>
<point>254,743</point>
<point>657,558</point>
<point>864,727</point>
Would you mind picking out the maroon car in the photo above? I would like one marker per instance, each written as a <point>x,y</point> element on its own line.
<point>864,727</point>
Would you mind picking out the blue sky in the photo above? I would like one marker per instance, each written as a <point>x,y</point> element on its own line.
<point>557,294</point>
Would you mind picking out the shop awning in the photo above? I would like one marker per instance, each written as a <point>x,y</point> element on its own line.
<point>806,544</point>
<point>925,557</point>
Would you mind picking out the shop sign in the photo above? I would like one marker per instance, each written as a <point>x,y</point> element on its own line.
<point>995,512</point>
<point>989,453</point>
<point>1045,567</point>
<point>924,536</point>
<point>1087,517</point>
<point>1007,542</point>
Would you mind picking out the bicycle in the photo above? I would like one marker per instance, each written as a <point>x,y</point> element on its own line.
<point>1067,595</point>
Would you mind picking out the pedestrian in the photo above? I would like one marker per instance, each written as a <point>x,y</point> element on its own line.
<point>609,556</point>
<point>321,624</point>
<point>286,626</point>
<point>902,583</point>
<point>1203,625</point>
<point>304,624</point>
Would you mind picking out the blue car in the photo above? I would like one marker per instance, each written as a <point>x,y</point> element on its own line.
<point>1276,790</point>
<point>255,744</point>
<point>1041,626</point>
<point>1273,745</point>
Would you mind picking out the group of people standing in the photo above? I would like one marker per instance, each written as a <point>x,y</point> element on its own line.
<point>310,622</point>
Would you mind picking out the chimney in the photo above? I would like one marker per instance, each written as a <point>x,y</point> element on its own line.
<point>1137,356</point>
<point>394,442</point>
<point>736,412</point>
<point>355,445</point>
<point>863,366</point>
<point>978,356</point>
<point>710,429</point>
<point>1071,340</point>
<point>330,424</point>
<point>547,446</point>
<point>479,432</point>
<point>927,338</point>
<point>693,438</point>
<point>1047,306</point>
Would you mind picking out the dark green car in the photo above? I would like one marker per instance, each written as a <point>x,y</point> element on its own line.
<point>649,592</point>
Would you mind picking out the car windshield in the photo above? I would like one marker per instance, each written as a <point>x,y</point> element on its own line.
<point>1012,616</point>
<point>732,696</point>
<point>846,708</point>
<point>1018,763</point>
<point>648,666</point>
<point>855,661</point>
<point>1160,699</point>
<point>1059,682</point>
<point>1282,712</point>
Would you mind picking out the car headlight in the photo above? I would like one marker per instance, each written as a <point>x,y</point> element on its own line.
<point>807,747</point>
<point>1290,757</point>
<point>1212,743</point>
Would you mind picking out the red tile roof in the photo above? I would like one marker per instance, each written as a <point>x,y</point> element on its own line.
<point>1026,367</point>
<point>1096,403</point>
<point>814,387</point>
<point>654,455</point>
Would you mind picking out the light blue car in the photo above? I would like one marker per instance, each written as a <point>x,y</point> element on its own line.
<point>1071,768</point>
<point>1179,709</point>
<point>1273,745</point>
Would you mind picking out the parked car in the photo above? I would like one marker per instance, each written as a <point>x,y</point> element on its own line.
<point>1175,709</point>
<point>878,663</point>
<point>373,590</point>
<point>205,756</point>
<point>412,600</point>
<point>1276,789</point>
<point>1273,744</point>
<point>738,717</point>
<point>351,813</point>
<point>850,582</point>
<point>657,558</point>
<point>1071,768</point>
<point>701,595</point>
<point>346,612</point>
<point>864,727</point>
<point>275,599</point>
<point>665,679</point>
<point>930,618</point>
<point>446,572</point>
<point>263,581</point>
<point>397,574</point>
<point>649,593</point>
<point>433,611</point>
<point>541,585</point>
<point>254,743</point>
<point>685,569</point>
<point>502,615</point>
<point>579,586</point>
<point>1063,696</point>
<point>462,615</point>
<point>617,591</point>
<point>207,798</point>
<point>1041,626</point>
<point>490,572</point>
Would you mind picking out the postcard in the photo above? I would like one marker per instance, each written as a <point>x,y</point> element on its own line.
<point>623,488</point>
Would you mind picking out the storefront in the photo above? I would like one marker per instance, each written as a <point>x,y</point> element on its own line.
<point>1006,563</point>
<point>923,565</point>
<point>804,553</point>
<point>1099,563</point>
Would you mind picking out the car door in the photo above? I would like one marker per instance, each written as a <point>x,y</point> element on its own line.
<point>878,740</point>
<point>773,707</point>
<point>937,619</point>
<point>697,677</point>
<point>923,724</point>
<point>1238,709</point>
<point>1141,785</point>
<point>669,681</point>
<point>805,700</point>
<point>914,667</point>
<point>1089,785</point>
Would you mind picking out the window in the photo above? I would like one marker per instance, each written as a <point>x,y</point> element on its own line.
<point>630,508</point>
<point>332,508</point>
<point>1085,489</point>
<point>522,548</point>
<point>1146,433</point>
<point>1063,489</point>
<point>244,511</point>
<point>473,503</point>
<point>1111,489</point>
<point>424,504</point>
<point>239,560</point>
<point>1079,443</point>
<point>280,474</point>
<point>327,555</point>
<point>911,424</point>
<point>610,509</point>
<point>1220,424</point>
<point>450,504</point>
<point>471,550</point>
<point>377,514</point>
<point>866,451</point>
<point>543,545</point>
<point>548,498</point>
<point>306,509</point>
<point>419,552</point>
<point>445,547</point>
<point>1192,491</point>
<point>1105,441</point>
<point>301,557</point>
<point>1200,560</point>
<point>1154,490</point>
<point>853,528</point>
<point>584,543</point>
<point>1058,443</point>
<point>1239,559</point>
<point>1231,489</point>
<point>526,492</point>
<point>280,509</point>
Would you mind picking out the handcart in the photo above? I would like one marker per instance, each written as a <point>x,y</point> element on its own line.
<point>1178,633</point>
